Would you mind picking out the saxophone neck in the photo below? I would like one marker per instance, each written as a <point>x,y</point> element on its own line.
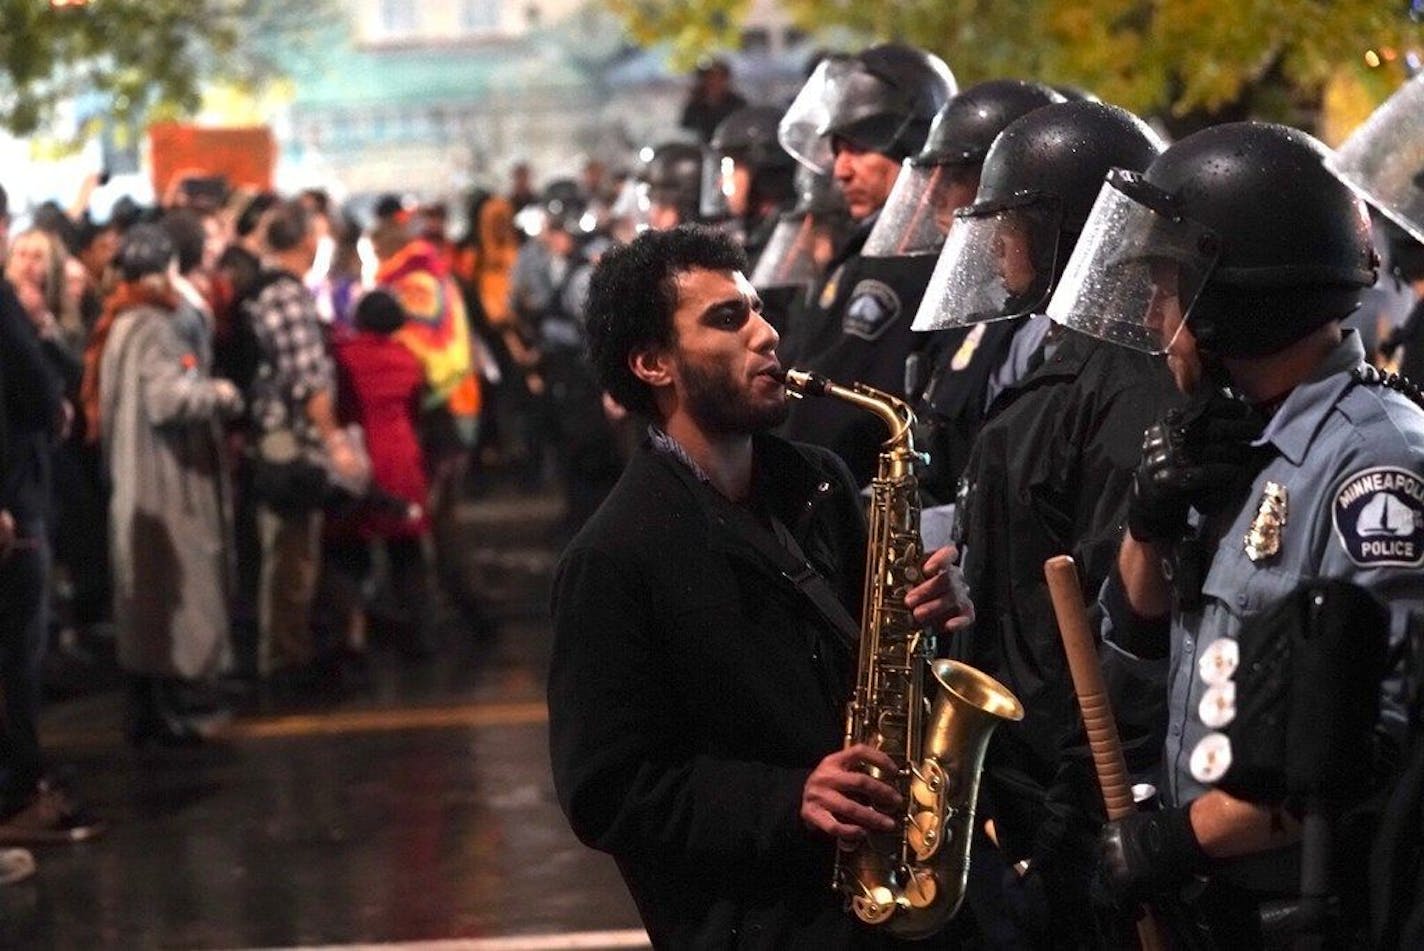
<point>897,415</point>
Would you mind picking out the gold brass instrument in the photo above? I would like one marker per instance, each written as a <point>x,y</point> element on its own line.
<point>912,880</point>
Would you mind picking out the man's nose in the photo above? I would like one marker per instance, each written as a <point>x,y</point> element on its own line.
<point>844,168</point>
<point>764,335</point>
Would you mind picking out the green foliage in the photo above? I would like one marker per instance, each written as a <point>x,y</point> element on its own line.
<point>695,28</point>
<point>1183,60</point>
<point>141,55</point>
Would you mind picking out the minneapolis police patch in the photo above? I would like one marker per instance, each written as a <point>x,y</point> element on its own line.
<point>1379,517</point>
<point>873,307</point>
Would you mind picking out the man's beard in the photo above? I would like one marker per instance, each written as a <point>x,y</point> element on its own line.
<point>716,404</point>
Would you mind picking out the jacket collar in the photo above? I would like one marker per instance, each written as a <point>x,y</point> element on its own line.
<point>1295,425</point>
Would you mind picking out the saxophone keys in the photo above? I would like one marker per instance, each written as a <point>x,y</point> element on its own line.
<point>921,888</point>
<point>875,907</point>
<point>929,783</point>
<point>923,834</point>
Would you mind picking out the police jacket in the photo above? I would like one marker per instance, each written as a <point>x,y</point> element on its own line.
<point>1349,456</point>
<point>693,688</point>
<point>858,330</point>
<point>1050,474</point>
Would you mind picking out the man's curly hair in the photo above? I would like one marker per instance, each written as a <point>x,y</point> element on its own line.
<point>632,297</point>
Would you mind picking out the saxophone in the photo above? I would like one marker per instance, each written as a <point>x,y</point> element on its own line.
<point>912,880</point>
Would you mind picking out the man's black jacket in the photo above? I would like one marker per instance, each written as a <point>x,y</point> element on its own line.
<point>693,687</point>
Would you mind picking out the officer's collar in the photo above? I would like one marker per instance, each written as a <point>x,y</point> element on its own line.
<point>1292,429</point>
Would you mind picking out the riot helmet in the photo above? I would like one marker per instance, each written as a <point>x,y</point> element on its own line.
<point>745,167</point>
<point>945,174</point>
<point>561,205</point>
<point>1383,159</point>
<point>669,184</point>
<point>806,237</point>
<point>1238,231</point>
<point>882,99</point>
<point>1005,252</point>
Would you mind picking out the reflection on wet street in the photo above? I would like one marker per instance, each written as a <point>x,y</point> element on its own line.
<point>417,809</point>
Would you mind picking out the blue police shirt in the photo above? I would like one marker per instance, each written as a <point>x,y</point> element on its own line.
<point>1351,458</point>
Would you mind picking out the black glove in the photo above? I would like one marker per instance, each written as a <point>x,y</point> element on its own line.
<point>1195,460</point>
<point>1145,853</point>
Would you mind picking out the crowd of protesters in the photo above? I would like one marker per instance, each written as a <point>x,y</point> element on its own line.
<point>237,427</point>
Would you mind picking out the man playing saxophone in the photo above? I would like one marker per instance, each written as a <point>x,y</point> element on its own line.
<point>705,624</point>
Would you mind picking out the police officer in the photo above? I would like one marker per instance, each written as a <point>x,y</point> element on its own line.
<point>858,118</point>
<point>1004,255</point>
<point>669,187</point>
<point>1238,255</point>
<point>1048,474</point>
<point>747,177</point>
<point>803,242</point>
<point>944,176</point>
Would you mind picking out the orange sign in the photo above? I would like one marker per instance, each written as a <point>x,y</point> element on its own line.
<point>245,156</point>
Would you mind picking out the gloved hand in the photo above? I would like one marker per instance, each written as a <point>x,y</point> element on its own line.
<point>1188,461</point>
<point>1145,853</point>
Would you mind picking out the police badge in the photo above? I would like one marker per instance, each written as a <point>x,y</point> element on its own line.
<point>1263,539</point>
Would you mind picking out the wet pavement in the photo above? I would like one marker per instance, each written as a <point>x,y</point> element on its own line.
<point>417,809</point>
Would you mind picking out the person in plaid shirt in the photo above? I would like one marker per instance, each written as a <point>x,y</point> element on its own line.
<point>293,413</point>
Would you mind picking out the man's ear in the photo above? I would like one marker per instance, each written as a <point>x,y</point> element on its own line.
<point>651,365</point>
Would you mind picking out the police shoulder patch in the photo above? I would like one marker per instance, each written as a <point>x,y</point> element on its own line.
<point>872,308</point>
<point>1379,517</point>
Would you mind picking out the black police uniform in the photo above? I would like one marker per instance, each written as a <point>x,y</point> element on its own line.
<point>857,330</point>
<point>1050,475</point>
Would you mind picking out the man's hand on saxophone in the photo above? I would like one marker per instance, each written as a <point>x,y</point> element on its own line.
<point>941,601</point>
<point>844,802</point>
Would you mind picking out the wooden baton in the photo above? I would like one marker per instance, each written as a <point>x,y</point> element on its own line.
<point>1079,646</point>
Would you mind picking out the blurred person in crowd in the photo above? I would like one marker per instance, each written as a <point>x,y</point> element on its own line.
<point>33,806</point>
<point>573,427</point>
<point>598,190</point>
<point>432,224</point>
<point>437,330</point>
<point>297,440</point>
<point>96,246</point>
<point>318,205</point>
<point>484,260</point>
<point>857,118</point>
<point>170,531</point>
<point>521,186</point>
<point>710,100</point>
<point>344,283</point>
<point>748,178</point>
<point>379,382</point>
<point>35,269</point>
<point>241,260</point>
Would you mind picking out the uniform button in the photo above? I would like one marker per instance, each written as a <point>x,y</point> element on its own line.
<point>1219,661</point>
<point>1211,758</point>
<point>1242,600</point>
<point>1176,729</point>
<point>1218,706</point>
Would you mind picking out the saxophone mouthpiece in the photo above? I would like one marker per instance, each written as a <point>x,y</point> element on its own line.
<point>806,383</point>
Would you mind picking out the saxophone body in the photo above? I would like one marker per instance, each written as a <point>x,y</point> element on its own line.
<point>933,717</point>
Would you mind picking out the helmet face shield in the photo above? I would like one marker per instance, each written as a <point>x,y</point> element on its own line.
<point>1383,160</point>
<point>725,187</point>
<point>1136,270</point>
<point>918,213</point>
<point>997,263</point>
<point>799,247</point>
<point>841,98</point>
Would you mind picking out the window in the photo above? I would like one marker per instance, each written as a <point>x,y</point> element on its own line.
<point>398,17</point>
<point>479,15</point>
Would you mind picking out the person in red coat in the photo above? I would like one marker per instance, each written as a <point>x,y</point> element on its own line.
<point>379,384</point>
